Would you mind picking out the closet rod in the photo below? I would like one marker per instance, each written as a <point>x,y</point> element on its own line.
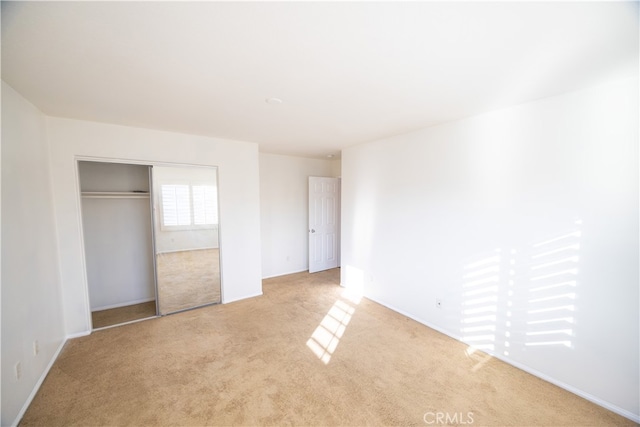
<point>114,195</point>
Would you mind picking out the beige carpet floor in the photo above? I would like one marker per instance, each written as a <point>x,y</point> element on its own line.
<point>302,354</point>
<point>187,279</point>
<point>115,316</point>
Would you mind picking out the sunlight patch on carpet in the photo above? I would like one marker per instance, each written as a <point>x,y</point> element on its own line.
<point>326,337</point>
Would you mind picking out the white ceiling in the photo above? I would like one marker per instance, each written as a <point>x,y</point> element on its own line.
<point>347,72</point>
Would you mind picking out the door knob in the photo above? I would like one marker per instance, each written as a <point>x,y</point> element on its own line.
<point>312,230</point>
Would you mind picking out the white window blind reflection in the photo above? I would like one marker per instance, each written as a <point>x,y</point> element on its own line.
<point>204,205</point>
<point>176,206</point>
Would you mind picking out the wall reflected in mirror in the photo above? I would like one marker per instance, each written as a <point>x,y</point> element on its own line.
<point>186,232</point>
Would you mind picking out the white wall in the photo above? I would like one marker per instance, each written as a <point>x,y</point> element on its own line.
<point>31,301</point>
<point>238,194</point>
<point>284,207</point>
<point>466,212</point>
<point>119,251</point>
<point>336,168</point>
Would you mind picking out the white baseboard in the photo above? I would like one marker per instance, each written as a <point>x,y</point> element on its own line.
<point>285,273</point>
<point>227,301</point>
<point>186,250</point>
<point>122,304</point>
<point>78,335</point>
<point>613,408</point>
<point>38,384</point>
<point>410,316</point>
<point>591,398</point>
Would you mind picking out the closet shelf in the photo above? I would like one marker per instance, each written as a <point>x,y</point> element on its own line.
<point>115,195</point>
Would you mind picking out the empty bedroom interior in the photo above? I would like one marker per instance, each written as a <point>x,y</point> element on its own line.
<point>489,212</point>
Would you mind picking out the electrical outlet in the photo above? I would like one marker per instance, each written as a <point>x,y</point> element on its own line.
<point>438,303</point>
<point>36,347</point>
<point>18,370</point>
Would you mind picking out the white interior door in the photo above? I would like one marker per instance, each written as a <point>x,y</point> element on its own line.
<point>324,223</point>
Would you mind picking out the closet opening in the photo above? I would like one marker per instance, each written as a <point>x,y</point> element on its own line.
<point>118,240</point>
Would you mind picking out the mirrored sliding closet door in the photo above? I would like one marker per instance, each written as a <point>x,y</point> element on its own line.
<point>187,257</point>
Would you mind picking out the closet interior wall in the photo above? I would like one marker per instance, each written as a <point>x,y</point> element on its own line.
<point>118,237</point>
